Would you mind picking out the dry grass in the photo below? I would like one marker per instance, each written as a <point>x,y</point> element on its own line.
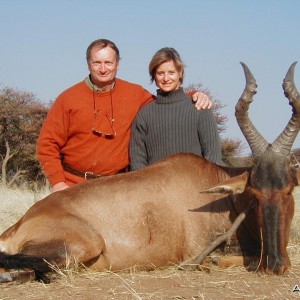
<point>15,202</point>
<point>169,283</point>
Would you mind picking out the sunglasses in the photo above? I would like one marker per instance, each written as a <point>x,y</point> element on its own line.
<point>99,133</point>
<point>111,121</point>
<point>108,136</point>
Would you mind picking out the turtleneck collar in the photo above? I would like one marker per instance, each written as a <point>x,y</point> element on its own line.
<point>171,97</point>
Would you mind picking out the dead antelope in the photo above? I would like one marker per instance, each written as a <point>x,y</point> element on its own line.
<point>157,216</point>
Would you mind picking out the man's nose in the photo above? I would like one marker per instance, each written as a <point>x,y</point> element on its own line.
<point>102,68</point>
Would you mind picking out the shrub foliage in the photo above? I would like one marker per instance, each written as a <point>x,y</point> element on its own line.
<point>21,118</point>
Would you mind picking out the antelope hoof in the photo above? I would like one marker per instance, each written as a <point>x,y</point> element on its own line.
<point>18,276</point>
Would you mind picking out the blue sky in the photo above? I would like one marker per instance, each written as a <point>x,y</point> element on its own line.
<point>43,46</point>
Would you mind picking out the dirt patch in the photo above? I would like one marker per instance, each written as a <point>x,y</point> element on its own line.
<point>170,283</point>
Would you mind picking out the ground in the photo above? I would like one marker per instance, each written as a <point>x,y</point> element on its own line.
<point>170,283</point>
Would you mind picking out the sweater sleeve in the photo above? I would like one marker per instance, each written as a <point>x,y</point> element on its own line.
<point>137,149</point>
<point>209,137</point>
<point>52,138</point>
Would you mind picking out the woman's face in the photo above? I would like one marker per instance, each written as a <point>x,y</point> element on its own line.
<point>167,77</point>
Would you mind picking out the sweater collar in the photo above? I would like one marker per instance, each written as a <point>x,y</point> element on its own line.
<point>171,97</point>
<point>93,87</point>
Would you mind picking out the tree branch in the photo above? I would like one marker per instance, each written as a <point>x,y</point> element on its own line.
<point>16,176</point>
<point>5,160</point>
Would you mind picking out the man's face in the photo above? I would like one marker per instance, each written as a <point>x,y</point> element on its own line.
<point>103,66</point>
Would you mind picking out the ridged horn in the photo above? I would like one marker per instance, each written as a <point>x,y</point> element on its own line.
<point>285,140</point>
<point>256,142</point>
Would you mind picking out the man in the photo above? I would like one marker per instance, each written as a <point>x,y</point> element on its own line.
<point>87,131</point>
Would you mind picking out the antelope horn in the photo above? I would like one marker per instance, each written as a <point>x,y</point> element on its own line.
<point>256,142</point>
<point>285,140</point>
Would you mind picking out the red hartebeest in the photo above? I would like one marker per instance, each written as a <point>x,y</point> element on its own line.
<point>157,216</point>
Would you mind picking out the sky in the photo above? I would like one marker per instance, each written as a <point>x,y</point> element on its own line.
<point>43,45</point>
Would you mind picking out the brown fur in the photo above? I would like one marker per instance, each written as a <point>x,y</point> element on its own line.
<point>151,217</point>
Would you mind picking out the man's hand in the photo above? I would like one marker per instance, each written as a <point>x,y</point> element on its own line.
<point>202,100</point>
<point>59,186</point>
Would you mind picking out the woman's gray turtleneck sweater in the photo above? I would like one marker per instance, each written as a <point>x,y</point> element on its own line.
<point>171,124</point>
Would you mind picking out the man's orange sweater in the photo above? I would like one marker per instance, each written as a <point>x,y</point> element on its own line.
<point>67,130</point>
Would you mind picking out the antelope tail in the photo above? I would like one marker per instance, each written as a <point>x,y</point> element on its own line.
<point>21,261</point>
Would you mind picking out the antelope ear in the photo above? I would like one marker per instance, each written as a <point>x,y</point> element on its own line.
<point>232,186</point>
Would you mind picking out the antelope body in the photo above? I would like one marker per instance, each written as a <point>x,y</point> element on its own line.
<point>157,216</point>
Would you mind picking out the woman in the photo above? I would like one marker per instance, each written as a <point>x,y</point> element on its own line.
<point>171,124</point>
